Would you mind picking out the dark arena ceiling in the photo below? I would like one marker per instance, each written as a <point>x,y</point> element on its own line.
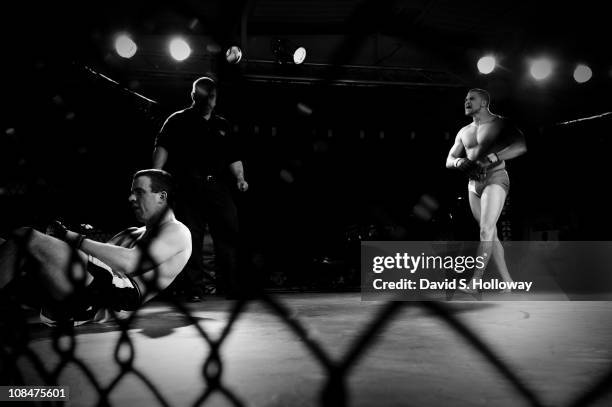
<point>402,43</point>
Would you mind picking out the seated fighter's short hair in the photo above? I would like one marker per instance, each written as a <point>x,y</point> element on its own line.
<point>483,94</point>
<point>205,82</point>
<point>160,181</point>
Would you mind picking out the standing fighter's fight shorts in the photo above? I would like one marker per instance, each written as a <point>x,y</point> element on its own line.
<point>108,290</point>
<point>480,181</point>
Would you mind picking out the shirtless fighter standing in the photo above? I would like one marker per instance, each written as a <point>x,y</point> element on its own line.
<point>480,150</point>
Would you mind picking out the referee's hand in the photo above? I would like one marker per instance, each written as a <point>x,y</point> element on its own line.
<point>242,185</point>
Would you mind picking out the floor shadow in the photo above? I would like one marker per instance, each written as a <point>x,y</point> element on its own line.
<point>156,324</point>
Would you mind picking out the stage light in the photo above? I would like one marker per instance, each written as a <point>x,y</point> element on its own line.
<point>304,109</point>
<point>486,64</point>
<point>233,55</point>
<point>582,73</point>
<point>179,49</point>
<point>541,68</point>
<point>125,46</point>
<point>285,52</point>
<point>299,55</point>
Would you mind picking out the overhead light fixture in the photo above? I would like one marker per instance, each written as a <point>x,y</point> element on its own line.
<point>486,64</point>
<point>541,68</point>
<point>582,73</point>
<point>125,46</point>
<point>233,55</point>
<point>179,49</point>
<point>299,55</point>
<point>285,52</point>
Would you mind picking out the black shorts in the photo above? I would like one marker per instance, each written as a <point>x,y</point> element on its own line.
<point>111,289</point>
<point>108,290</point>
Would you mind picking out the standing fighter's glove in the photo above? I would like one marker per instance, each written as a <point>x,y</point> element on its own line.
<point>465,165</point>
<point>492,158</point>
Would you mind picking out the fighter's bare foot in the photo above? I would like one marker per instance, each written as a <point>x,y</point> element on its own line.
<point>469,289</point>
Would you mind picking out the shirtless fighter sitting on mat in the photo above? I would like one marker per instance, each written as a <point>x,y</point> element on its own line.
<point>480,150</point>
<point>81,277</point>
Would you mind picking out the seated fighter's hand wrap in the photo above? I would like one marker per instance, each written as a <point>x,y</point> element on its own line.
<point>57,229</point>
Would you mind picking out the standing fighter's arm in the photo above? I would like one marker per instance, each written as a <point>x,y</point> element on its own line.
<point>516,148</point>
<point>508,149</point>
<point>457,156</point>
<point>456,152</point>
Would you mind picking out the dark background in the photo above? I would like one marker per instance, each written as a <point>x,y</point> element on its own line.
<point>356,163</point>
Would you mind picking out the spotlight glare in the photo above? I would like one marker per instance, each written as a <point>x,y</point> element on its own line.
<point>299,55</point>
<point>179,49</point>
<point>582,73</point>
<point>233,55</point>
<point>486,64</point>
<point>125,46</point>
<point>541,68</point>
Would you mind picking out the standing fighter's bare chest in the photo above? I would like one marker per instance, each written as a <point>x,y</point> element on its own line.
<point>472,136</point>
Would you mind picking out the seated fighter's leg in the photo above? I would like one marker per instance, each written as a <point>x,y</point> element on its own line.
<point>9,261</point>
<point>60,269</point>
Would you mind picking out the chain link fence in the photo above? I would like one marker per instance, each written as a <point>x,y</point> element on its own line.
<point>16,340</point>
